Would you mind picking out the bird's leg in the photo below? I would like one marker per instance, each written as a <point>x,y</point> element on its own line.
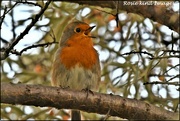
<point>87,90</point>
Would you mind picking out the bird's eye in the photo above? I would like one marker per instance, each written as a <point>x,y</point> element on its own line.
<point>78,30</point>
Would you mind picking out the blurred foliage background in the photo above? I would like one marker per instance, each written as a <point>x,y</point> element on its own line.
<point>135,52</point>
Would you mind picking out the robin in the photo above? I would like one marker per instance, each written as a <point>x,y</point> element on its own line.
<point>76,63</point>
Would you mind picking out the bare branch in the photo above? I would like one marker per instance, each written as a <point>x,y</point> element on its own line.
<point>11,8</point>
<point>168,83</point>
<point>138,52</point>
<point>113,105</point>
<point>171,68</point>
<point>3,40</point>
<point>38,45</point>
<point>13,22</point>
<point>3,16</point>
<point>173,77</point>
<point>32,46</point>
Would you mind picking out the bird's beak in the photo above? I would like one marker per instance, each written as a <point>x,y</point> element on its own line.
<point>88,30</point>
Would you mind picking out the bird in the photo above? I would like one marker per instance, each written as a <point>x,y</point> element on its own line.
<point>76,62</point>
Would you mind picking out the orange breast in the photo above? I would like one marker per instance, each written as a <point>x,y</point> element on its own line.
<point>79,50</point>
<point>86,57</point>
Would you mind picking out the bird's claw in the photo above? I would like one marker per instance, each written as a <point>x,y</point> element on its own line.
<point>88,91</point>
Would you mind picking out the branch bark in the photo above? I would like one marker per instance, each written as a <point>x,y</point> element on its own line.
<point>114,105</point>
<point>156,12</point>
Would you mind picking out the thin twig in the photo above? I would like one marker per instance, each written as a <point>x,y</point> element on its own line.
<point>3,40</point>
<point>11,8</point>
<point>168,83</point>
<point>138,52</point>
<point>171,68</point>
<point>32,46</point>
<point>13,22</point>
<point>53,35</point>
<point>3,16</point>
<point>173,77</point>
<point>155,65</point>
<point>117,12</point>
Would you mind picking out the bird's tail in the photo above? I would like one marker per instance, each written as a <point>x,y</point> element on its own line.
<point>75,115</point>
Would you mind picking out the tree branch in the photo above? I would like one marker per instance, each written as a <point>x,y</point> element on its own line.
<point>114,105</point>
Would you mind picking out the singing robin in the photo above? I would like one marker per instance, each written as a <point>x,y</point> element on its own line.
<point>76,63</point>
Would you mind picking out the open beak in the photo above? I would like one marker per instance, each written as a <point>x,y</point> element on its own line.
<point>88,30</point>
